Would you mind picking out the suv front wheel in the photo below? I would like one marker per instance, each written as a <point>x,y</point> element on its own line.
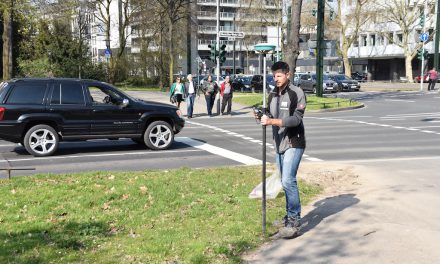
<point>158,135</point>
<point>41,140</point>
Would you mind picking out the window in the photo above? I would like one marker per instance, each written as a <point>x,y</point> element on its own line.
<point>67,93</point>
<point>364,40</point>
<point>390,38</point>
<point>379,40</point>
<point>372,40</point>
<point>27,93</point>
<point>102,96</point>
<point>400,37</point>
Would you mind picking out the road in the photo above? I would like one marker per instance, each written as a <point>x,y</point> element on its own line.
<point>392,125</point>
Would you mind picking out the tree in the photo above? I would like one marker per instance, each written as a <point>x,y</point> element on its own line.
<point>406,16</point>
<point>292,48</point>
<point>173,11</point>
<point>350,23</point>
<point>7,9</point>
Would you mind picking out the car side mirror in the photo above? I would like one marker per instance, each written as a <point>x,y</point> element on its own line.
<point>125,103</point>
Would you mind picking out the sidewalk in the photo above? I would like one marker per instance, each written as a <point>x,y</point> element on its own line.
<point>200,110</point>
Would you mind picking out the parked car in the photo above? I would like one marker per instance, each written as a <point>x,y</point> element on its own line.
<point>297,77</point>
<point>40,113</point>
<point>345,83</point>
<point>418,78</point>
<point>242,83</point>
<point>307,83</point>
<point>360,77</point>
<point>257,82</point>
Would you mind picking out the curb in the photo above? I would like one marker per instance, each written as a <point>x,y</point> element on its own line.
<point>337,109</point>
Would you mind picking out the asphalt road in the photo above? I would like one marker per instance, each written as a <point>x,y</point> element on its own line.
<point>392,125</point>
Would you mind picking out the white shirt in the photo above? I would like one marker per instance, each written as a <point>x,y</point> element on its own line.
<point>191,88</point>
<point>178,89</point>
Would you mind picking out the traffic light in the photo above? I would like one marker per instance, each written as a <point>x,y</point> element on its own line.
<point>213,51</point>
<point>332,14</point>
<point>422,19</point>
<point>222,54</point>
<point>422,53</point>
<point>314,11</point>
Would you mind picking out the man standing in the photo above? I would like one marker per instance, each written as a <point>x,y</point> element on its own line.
<point>226,93</point>
<point>433,75</point>
<point>191,90</point>
<point>286,106</point>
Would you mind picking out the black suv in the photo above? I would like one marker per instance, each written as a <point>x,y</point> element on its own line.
<point>39,113</point>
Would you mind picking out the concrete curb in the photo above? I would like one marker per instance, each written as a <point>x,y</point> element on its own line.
<point>337,109</point>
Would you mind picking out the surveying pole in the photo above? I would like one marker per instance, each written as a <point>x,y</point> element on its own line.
<point>264,48</point>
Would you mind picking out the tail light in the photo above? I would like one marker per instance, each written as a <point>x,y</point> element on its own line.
<point>2,112</point>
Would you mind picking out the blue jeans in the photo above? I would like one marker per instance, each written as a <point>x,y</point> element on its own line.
<point>209,103</point>
<point>288,164</point>
<point>190,104</point>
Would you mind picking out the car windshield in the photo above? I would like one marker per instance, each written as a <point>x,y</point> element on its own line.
<point>342,77</point>
<point>324,77</point>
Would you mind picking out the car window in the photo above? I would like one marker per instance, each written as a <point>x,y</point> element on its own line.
<point>27,93</point>
<point>102,96</point>
<point>304,77</point>
<point>67,92</point>
<point>3,88</point>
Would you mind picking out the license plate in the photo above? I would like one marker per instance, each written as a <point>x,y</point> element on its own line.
<point>353,86</point>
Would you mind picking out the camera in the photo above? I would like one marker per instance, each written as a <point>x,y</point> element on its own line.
<point>258,112</point>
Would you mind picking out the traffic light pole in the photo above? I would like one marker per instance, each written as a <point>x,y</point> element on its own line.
<point>437,37</point>
<point>218,57</point>
<point>320,41</point>
<point>422,75</point>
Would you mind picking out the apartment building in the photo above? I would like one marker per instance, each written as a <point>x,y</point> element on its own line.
<point>378,50</point>
<point>257,19</point>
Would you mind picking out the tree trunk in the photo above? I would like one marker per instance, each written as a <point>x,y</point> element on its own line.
<point>7,43</point>
<point>171,52</point>
<point>408,67</point>
<point>293,51</point>
<point>347,64</point>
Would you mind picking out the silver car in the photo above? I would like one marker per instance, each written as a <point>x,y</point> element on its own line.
<point>307,82</point>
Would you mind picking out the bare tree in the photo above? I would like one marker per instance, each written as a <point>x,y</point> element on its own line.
<point>405,15</point>
<point>350,24</point>
<point>174,11</point>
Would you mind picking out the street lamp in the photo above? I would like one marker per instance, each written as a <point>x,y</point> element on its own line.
<point>263,49</point>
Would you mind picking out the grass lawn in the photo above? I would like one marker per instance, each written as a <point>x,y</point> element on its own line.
<point>132,88</point>
<point>313,102</point>
<point>177,216</point>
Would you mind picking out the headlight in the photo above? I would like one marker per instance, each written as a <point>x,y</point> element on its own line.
<point>247,86</point>
<point>271,86</point>
<point>344,84</point>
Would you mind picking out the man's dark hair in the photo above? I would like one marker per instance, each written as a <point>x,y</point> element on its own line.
<point>280,65</point>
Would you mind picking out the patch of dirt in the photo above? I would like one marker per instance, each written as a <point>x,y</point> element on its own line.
<point>331,177</point>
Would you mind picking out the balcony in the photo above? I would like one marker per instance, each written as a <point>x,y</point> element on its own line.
<point>235,3</point>
<point>203,44</point>
<point>229,16</point>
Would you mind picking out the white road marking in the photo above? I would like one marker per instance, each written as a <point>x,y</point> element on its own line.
<point>219,151</point>
<point>433,121</point>
<point>425,127</point>
<point>400,100</point>
<point>247,138</point>
<point>387,159</point>
<point>147,152</point>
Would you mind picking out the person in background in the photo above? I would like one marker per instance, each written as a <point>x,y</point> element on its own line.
<point>178,91</point>
<point>226,93</point>
<point>433,75</point>
<point>210,89</point>
<point>191,91</point>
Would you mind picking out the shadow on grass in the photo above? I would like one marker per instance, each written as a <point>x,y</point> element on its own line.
<point>47,245</point>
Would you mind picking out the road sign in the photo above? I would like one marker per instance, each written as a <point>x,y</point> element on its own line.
<point>108,53</point>
<point>424,37</point>
<point>226,34</point>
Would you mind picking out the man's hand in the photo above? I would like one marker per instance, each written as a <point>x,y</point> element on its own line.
<point>265,120</point>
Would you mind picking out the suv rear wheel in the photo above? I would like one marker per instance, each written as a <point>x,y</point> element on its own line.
<point>158,135</point>
<point>41,140</point>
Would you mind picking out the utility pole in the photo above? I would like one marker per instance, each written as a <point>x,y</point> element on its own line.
<point>217,57</point>
<point>437,36</point>
<point>422,75</point>
<point>320,41</point>
<point>233,52</point>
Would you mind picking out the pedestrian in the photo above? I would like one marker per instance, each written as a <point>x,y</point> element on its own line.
<point>191,91</point>
<point>226,93</point>
<point>177,91</point>
<point>210,89</point>
<point>286,106</point>
<point>433,75</point>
